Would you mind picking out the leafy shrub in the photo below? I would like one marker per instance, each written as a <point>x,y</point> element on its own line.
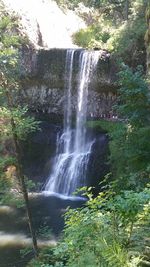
<point>91,37</point>
<point>124,38</point>
<point>47,258</point>
<point>44,232</point>
<point>130,149</point>
<point>127,41</point>
<point>103,233</point>
<point>110,231</point>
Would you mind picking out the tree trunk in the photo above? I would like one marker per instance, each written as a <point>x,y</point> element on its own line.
<point>147,39</point>
<point>21,177</point>
<point>25,193</point>
<point>127,10</point>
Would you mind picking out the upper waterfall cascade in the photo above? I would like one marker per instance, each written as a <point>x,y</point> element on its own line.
<point>45,23</point>
<point>73,146</point>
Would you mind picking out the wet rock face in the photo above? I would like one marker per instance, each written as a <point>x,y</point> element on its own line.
<point>98,165</point>
<point>43,85</point>
<point>40,98</point>
<point>39,150</point>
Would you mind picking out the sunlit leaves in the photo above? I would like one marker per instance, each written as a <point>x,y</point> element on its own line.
<point>105,229</point>
<point>134,97</point>
<point>130,147</point>
<point>24,124</point>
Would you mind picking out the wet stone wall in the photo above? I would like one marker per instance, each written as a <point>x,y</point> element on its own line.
<point>43,85</point>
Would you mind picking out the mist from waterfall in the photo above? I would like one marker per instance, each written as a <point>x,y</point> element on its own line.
<point>73,148</point>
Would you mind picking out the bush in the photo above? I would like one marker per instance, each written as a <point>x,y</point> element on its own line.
<point>91,37</point>
<point>107,232</point>
<point>130,149</point>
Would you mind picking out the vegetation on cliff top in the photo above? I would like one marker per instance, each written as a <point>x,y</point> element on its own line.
<point>117,26</point>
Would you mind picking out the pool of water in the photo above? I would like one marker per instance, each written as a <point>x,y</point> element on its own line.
<point>47,210</point>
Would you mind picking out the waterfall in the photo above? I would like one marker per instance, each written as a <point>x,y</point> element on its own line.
<point>73,147</point>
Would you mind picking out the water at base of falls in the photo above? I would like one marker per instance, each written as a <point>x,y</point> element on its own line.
<point>73,148</point>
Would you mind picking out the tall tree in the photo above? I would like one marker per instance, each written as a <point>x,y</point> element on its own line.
<point>14,124</point>
<point>127,9</point>
<point>147,38</point>
<point>130,147</point>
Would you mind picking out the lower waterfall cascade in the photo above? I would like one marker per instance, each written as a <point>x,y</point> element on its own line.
<point>73,147</point>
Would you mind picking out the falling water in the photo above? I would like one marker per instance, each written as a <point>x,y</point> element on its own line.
<point>73,148</point>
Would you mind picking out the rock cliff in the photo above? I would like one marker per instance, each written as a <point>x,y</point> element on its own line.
<point>43,85</point>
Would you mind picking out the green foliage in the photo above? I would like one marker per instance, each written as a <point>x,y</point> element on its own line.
<point>92,36</point>
<point>134,96</point>
<point>13,122</point>
<point>108,126</point>
<point>129,145</point>
<point>111,230</point>
<point>24,124</point>
<point>12,198</point>
<point>129,149</point>
<point>47,258</point>
<point>83,37</point>
<point>68,4</point>
<point>10,42</point>
<point>106,6</point>
<point>6,161</point>
<point>128,40</point>
<point>8,26</point>
<point>25,251</point>
<point>44,232</point>
<point>10,71</point>
<point>5,185</point>
<point>105,232</point>
<point>111,30</point>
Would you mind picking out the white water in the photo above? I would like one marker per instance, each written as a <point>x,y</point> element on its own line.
<point>73,149</point>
